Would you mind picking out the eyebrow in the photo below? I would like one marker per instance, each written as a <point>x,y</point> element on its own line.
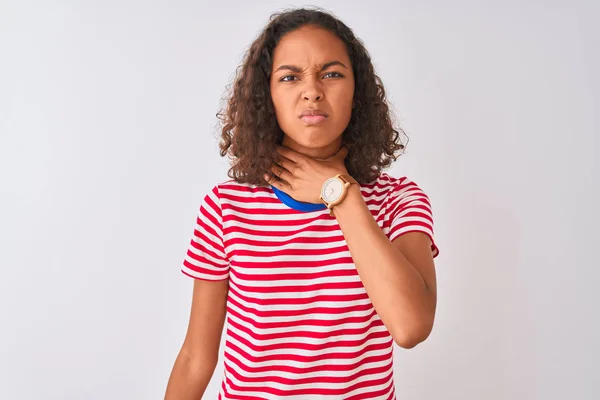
<point>297,69</point>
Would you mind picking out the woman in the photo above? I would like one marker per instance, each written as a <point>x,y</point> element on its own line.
<point>319,260</point>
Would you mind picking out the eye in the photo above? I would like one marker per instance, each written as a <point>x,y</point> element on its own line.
<point>333,75</point>
<point>287,78</point>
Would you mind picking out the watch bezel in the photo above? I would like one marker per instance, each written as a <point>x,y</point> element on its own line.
<point>326,183</point>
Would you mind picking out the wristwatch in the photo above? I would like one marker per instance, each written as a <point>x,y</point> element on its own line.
<point>335,189</point>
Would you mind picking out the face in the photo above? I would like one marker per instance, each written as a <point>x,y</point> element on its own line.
<point>312,87</point>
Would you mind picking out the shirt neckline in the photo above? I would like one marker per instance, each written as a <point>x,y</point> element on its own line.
<point>295,204</point>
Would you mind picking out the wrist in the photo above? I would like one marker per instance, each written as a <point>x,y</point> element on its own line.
<point>336,189</point>
<point>352,200</point>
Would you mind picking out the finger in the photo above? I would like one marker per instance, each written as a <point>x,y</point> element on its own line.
<point>282,173</point>
<point>290,154</point>
<point>281,185</point>
<point>268,178</point>
<point>287,164</point>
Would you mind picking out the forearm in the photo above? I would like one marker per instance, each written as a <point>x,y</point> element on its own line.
<point>396,289</point>
<point>189,378</point>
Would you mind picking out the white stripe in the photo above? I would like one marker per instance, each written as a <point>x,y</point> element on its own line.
<point>199,275</point>
<point>282,270</point>
<point>323,316</point>
<point>324,353</point>
<point>274,286</point>
<point>294,258</point>
<point>284,362</point>
<point>318,373</point>
<point>291,245</point>
<point>315,341</point>
<point>301,307</point>
<point>315,385</point>
<point>201,254</point>
<point>300,295</point>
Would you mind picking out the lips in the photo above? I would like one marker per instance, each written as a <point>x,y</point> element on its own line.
<point>313,116</point>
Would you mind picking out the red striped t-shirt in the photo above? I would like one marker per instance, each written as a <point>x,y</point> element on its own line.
<point>299,322</point>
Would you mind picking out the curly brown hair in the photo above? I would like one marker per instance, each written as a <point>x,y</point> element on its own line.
<point>249,128</point>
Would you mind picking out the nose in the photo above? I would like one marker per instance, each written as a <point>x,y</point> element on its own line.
<point>313,91</point>
<point>312,96</point>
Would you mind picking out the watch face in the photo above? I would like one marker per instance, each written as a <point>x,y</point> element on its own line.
<point>332,189</point>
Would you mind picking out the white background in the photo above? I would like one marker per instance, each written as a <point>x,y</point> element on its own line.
<point>107,147</point>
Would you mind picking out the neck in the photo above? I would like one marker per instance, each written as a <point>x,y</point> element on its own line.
<point>319,153</point>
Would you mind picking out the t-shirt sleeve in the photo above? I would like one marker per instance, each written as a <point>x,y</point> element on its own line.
<point>411,212</point>
<point>206,258</point>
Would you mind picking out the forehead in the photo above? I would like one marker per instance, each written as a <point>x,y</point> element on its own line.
<point>308,46</point>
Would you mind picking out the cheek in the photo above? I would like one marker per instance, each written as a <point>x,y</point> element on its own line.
<point>274,99</point>
<point>343,101</point>
<point>280,102</point>
<point>285,110</point>
<point>350,94</point>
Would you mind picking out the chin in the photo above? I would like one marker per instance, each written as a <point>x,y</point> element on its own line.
<point>316,141</point>
<point>311,137</point>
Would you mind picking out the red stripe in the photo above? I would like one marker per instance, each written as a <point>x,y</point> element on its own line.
<point>375,394</point>
<point>295,345</point>
<point>290,264</point>
<point>289,252</point>
<point>300,312</point>
<point>203,270</point>
<point>234,229</point>
<point>270,377</point>
<point>295,240</point>
<point>299,335</point>
<point>308,322</point>
<point>310,391</point>
<point>339,298</point>
<point>310,359</point>
<point>332,367</point>
<point>300,289</point>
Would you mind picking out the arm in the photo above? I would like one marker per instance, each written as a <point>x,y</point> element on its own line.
<point>198,356</point>
<point>399,276</point>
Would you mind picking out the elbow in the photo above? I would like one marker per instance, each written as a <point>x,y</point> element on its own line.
<point>409,342</point>
<point>408,337</point>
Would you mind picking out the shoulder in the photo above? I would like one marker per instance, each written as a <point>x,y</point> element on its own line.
<point>394,187</point>
<point>230,190</point>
